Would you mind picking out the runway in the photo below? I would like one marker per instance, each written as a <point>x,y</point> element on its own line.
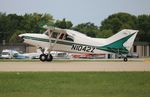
<point>73,66</point>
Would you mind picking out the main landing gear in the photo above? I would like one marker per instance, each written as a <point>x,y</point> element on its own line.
<point>45,57</point>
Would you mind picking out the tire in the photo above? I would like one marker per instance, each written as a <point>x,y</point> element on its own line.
<point>125,59</point>
<point>43,57</point>
<point>49,58</point>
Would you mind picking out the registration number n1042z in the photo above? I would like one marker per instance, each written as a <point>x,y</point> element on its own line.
<point>83,48</point>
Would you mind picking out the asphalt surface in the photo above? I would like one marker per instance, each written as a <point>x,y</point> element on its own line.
<point>73,66</point>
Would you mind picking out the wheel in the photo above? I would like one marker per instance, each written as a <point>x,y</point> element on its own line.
<point>43,57</point>
<point>125,59</point>
<point>49,57</point>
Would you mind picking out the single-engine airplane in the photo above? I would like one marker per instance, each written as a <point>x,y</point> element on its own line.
<point>65,40</point>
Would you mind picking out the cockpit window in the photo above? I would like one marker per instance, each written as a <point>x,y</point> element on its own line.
<point>66,37</point>
<point>54,35</point>
<point>69,38</point>
<point>63,36</point>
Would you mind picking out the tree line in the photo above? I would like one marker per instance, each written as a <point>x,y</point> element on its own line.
<point>11,25</point>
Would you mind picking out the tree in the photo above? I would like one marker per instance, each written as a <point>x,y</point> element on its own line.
<point>3,25</point>
<point>14,37</point>
<point>8,24</point>
<point>119,21</point>
<point>143,25</point>
<point>39,20</point>
<point>105,33</point>
<point>63,24</point>
<point>12,23</point>
<point>87,28</point>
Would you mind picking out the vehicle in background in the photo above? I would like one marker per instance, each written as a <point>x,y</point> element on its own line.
<point>88,56</point>
<point>13,54</point>
<point>8,54</point>
<point>132,55</point>
<point>129,55</point>
<point>32,55</point>
<point>21,56</point>
<point>60,55</point>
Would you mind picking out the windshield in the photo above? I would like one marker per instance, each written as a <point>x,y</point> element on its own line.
<point>5,53</point>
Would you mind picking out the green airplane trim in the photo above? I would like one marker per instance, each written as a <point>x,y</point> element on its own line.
<point>116,46</point>
<point>38,39</point>
<point>47,40</point>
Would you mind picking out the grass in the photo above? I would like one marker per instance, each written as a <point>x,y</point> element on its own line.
<point>75,84</point>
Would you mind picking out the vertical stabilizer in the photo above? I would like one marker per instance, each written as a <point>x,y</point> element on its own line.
<point>124,38</point>
<point>120,42</point>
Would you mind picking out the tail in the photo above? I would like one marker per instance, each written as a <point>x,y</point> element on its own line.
<point>122,41</point>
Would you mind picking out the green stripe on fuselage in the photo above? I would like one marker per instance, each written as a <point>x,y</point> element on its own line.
<point>53,40</point>
<point>35,38</point>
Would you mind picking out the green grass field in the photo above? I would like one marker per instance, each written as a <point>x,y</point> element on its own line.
<point>75,84</point>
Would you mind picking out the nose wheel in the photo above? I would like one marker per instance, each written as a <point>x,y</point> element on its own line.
<point>44,57</point>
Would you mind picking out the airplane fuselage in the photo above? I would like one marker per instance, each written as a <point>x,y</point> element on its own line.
<point>42,40</point>
<point>65,40</point>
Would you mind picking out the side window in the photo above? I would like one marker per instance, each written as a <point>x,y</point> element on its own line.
<point>62,36</point>
<point>54,35</point>
<point>69,38</point>
<point>66,37</point>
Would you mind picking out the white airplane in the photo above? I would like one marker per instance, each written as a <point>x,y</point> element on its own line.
<point>65,40</point>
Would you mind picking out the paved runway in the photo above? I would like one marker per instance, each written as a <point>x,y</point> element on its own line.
<point>73,66</point>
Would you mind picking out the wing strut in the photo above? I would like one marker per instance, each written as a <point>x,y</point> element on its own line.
<point>52,42</point>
